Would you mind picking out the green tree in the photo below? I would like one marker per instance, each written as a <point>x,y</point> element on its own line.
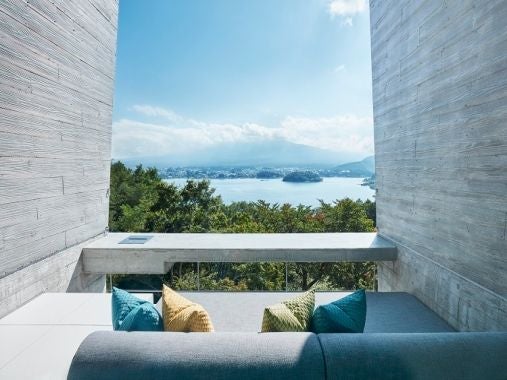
<point>140,201</point>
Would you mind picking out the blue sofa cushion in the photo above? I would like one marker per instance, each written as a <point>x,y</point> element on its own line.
<point>400,356</point>
<point>134,314</point>
<point>346,315</point>
<point>116,355</point>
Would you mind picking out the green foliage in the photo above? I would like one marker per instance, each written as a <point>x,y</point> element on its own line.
<point>142,202</point>
<point>302,176</point>
<point>345,216</point>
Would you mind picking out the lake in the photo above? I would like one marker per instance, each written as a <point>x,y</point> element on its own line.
<point>277,191</point>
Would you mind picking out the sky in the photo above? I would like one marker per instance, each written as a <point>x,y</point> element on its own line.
<point>194,75</point>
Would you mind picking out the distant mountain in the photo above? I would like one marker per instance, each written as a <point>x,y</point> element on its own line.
<point>363,168</point>
<point>273,153</point>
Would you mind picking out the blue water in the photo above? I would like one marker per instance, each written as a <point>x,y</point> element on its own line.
<point>277,191</point>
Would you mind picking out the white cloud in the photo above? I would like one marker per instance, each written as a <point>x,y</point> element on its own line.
<point>339,68</point>
<point>347,133</point>
<point>180,135</point>
<point>347,21</point>
<point>346,7</point>
<point>152,110</point>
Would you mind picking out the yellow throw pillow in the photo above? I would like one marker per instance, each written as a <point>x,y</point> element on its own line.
<point>182,315</point>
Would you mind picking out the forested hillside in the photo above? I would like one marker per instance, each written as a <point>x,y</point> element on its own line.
<point>142,202</point>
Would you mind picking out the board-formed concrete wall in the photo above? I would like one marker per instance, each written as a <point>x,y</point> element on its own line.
<point>440,109</point>
<point>57,63</point>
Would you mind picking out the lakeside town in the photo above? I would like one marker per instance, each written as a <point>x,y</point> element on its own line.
<point>362,169</point>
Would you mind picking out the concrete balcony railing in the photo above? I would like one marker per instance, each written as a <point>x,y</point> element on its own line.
<point>156,253</point>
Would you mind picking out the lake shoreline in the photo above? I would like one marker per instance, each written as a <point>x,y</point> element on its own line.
<point>276,191</point>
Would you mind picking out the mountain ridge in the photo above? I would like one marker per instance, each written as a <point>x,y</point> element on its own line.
<point>363,168</point>
<point>275,153</point>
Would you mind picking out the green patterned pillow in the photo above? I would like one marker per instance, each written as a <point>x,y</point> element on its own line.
<point>291,315</point>
<point>346,315</point>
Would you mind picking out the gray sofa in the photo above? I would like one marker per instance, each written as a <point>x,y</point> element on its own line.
<point>403,339</point>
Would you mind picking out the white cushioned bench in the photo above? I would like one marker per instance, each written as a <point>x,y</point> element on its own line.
<point>386,312</point>
<point>40,339</point>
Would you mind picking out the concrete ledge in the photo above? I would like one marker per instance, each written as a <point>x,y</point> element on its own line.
<point>60,272</point>
<point>107,255</point>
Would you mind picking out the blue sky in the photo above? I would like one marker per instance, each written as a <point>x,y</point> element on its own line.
<point>193,74</point>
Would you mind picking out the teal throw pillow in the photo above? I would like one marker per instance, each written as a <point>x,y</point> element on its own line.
<point>346,315</point>
<point>134,314</point>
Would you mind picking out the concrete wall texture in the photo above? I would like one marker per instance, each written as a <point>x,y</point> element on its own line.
<point>440,114</point>
<point>57,63</point>
<point>440,108</point>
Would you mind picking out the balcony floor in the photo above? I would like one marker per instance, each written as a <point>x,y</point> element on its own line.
<point>40,338</point>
